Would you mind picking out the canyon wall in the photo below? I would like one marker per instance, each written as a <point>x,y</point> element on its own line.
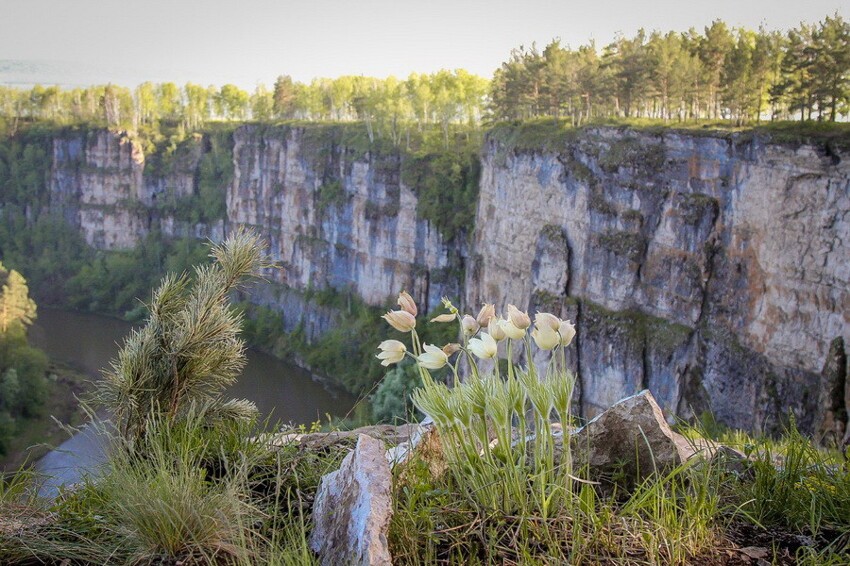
<point>713,269</point>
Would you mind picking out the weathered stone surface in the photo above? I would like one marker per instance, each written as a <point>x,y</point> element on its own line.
<point>333,218</point>
<point>631,440</point>
<point>99,183</point>
<point>353,508</point>
<point>390,434</point>
<point>714,270</point>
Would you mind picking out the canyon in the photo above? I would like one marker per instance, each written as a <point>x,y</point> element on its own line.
<point>712,268</point>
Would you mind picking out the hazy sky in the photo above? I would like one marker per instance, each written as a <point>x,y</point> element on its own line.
<point>251,41</point>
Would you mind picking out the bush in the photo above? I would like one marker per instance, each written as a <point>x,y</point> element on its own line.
<point>391,402</point>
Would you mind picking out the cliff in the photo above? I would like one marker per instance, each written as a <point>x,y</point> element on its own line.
<point>712,269</point>
<point>101,183</point>
<point>336,217</point>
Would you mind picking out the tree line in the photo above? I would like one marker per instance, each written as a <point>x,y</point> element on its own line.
<point>721,73</point>
<point>443,98</point>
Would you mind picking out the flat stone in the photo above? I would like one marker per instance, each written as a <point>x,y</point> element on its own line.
<point>353,508</point>
<point>393,435</point>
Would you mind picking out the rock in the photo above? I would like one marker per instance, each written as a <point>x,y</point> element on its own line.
<point>393,435</point>
<point>353,509</point>
<point>629,442</point>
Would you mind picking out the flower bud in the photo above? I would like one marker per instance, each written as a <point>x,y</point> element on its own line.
<point>407,304</point>
<point>487,312</point>
<point>448,317</point>
<point>567,331</point>
<point>545,337</point>
<point>402,321</point>
<point>469,325</point>
<point>495,329</point>
<point>518,318</point>
<point>451,348</point>
<point>542,319</point>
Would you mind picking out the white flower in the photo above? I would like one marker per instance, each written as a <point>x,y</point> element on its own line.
<point>392,352</point>
<point>432,358</point>
<point>469,324</point>
<point>518,318</point>
<point>545,337</point>
<point>547,319</point>
<point>484,347</point>
<point>448,317</point>
<point>402,321</point>
<point>405,301</point>
<point>511,330</point>
<point>567,331</point>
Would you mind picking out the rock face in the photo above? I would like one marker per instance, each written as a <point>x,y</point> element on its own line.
<point>99,182</point>
<point>335,218</point>
<point>353,508</point>
<point>714,271</point>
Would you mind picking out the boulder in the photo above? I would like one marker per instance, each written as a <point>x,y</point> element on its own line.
<point>629,442</point>
<point>353,508</point>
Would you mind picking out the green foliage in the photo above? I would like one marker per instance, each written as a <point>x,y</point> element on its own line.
<point>446,184</point>
<point>25,162</point>
<point>391,402</point>
<point>738,75</point>
<point>188,352</point>
<point>116,282</point>
<point>23,383</point>
<point>187,493</point>
<point>17,310</point>
<point>809,489</point>
<point>331,195</point>
<point>533,135</point>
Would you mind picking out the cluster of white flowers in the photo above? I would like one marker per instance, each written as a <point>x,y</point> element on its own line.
<point>549,332</point>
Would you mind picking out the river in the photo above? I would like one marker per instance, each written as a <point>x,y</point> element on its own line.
<point>88,342</point>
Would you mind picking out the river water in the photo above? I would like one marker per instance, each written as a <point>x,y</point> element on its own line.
<point>87,342</point>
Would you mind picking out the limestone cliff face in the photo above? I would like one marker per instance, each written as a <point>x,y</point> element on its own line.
<point>95,180</point>
<point>713,270</point>
<point>100,183</point>
<point>336,218</point>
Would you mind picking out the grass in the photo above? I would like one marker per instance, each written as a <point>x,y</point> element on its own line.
<point>698,513</point>
<point>187,493</point>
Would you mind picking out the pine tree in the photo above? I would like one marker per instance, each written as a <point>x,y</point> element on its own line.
<point>188,352</point>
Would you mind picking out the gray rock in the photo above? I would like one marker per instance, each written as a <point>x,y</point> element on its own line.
<point>391,434</point>
<point>353,508</point>
<point>629,442</point>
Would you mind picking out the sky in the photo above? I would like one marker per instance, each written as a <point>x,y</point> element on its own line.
<point>246,42</point>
